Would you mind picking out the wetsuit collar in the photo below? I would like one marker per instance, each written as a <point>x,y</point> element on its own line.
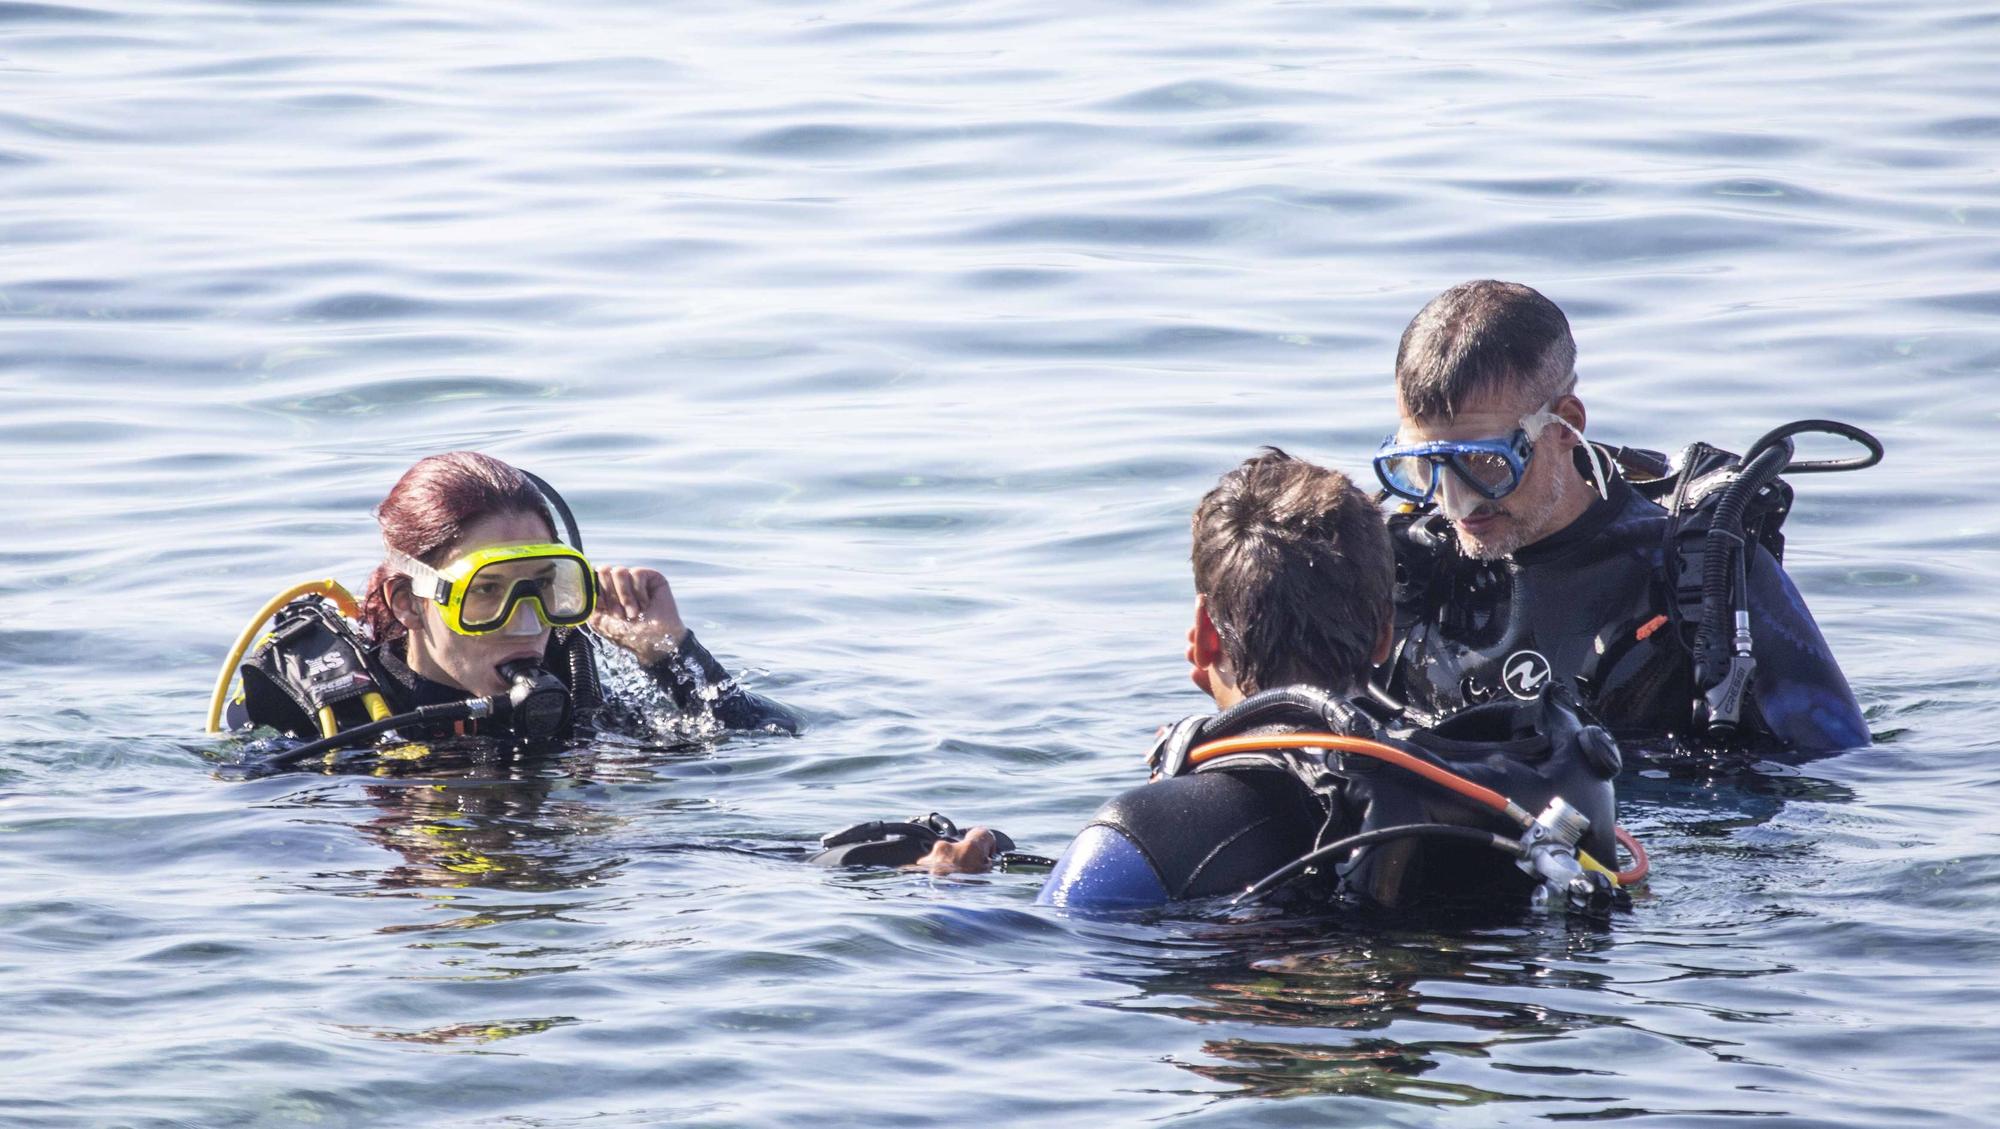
<point>1588,525</point>
<point>418,690</point>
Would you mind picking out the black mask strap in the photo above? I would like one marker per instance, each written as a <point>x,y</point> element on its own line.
<point>562,508</point>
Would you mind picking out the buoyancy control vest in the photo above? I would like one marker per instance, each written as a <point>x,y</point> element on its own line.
<point>313,676</point>
<point>1530,752</point>
<point>1586,608</point>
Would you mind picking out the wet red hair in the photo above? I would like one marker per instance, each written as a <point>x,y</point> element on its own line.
<point>427,511</point>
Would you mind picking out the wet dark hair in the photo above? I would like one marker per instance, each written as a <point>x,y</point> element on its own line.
<point>1294,562</point>
<point>427,511</point>
<point>1481,338</point>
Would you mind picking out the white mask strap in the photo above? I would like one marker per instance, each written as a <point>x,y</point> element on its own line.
<point>1600,473</point>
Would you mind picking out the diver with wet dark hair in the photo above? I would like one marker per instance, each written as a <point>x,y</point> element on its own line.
<point>1297,789</point>
<point>1651,588</point>
<point>480,622</point>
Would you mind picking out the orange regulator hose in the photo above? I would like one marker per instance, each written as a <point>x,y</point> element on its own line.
<point>1641,865</point>
<point>1362,746</point>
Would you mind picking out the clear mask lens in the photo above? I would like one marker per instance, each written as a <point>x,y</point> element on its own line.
<point>1491,473</point>
<point>558,588</point>
<point>1409,474</point>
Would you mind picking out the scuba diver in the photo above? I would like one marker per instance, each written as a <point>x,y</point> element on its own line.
<point>478,623</point>
<point>1298,789</point>
<point>1651,588</point>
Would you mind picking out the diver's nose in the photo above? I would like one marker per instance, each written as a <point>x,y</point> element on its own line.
<point>524,621</point>
<point>1455,498</point>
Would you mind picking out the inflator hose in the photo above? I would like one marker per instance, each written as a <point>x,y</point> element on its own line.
<point>1872,445</point>
<point>1376,750</point>
<point>1771,455</point>
<point>587,691</point>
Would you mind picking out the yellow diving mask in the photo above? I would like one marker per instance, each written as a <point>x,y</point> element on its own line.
<point>478,593</point>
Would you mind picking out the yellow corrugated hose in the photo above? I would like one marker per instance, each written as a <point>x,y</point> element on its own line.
<point>329,587</point>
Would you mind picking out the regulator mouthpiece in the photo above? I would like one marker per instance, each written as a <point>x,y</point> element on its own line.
<point>537,702</point>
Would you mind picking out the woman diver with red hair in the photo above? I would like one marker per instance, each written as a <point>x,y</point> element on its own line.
<point>481,620</point>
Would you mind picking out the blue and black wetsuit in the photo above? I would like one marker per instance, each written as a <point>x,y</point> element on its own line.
<point>1586,606</point>
<point>1214,829</point>
<point>1186,837</point>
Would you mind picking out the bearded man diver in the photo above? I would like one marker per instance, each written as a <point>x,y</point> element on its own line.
<point>1526,554</point>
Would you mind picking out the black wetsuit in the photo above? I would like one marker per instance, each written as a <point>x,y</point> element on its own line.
<point>1217,828</point>
<point>275,697</point>
<point>1584,605</point>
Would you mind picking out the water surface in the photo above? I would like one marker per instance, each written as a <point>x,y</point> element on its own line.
<point>904,336</point>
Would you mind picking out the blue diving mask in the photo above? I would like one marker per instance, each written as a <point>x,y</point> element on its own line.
<point>1493,468</point>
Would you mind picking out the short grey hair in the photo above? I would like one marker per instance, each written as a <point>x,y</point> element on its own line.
<point>1482,338</point>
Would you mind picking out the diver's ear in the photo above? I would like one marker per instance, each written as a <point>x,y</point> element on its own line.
<point>1385,640</point>
<point>1571,410</point>
<point>403,605</point>
<point>1206,642</point>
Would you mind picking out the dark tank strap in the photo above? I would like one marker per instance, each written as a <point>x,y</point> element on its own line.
<point>1297,707</point>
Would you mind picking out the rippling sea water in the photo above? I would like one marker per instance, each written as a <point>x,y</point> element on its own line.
<point>904,336</point>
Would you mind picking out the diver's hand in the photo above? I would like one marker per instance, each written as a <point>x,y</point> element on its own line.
<point>636,610</point>
<point>972,854</point>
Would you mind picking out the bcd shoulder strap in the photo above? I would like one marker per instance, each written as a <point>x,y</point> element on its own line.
<point>1297,707</point>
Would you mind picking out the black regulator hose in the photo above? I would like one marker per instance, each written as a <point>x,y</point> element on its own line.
<point>1726,560</point>
<point>588,692</point>
<point>530,693</point>
<point>348,738</point>
<point>1724,548</point>
<point>1291,870</point>
<point>1872,445</point>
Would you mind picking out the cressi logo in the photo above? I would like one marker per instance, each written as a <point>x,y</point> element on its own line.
<point>1525,673</point>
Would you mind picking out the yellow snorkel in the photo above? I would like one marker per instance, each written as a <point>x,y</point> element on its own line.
<point>329,587</point>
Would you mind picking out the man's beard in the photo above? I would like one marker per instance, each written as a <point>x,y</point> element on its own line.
<point>1522,529</point>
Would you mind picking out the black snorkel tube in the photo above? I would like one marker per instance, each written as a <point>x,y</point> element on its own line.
<point>582,671</point>
<point>561,507</point>
<point>1723,664</point>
